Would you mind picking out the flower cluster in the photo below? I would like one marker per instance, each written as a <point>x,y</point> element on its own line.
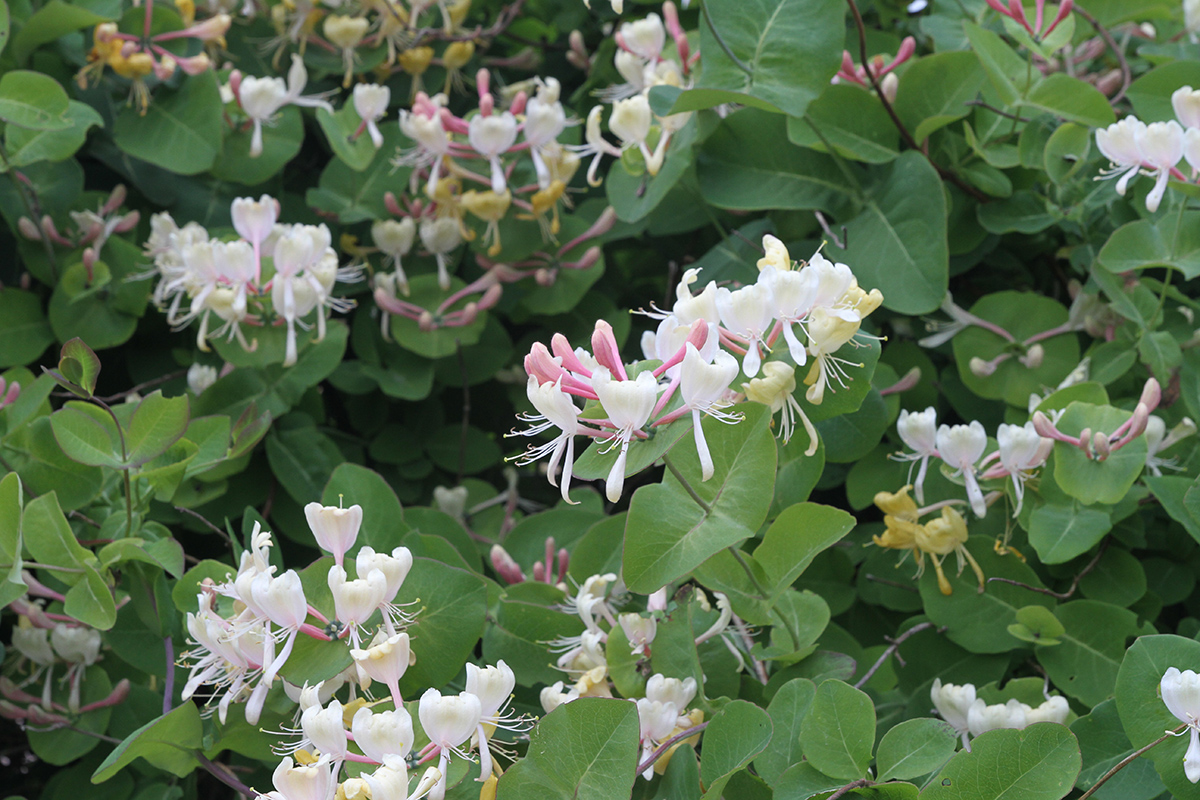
<point>971,715</point>
<point>271,272</point>
<point>938,538</point>
<point>1155,149</point>
<point>90,229</point>
<point>641,61</point>
<point>41,641</point>
<point>816,308</point>
<point>239,623</point>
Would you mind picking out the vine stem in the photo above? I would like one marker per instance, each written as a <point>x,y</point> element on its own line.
<point>1074,584</point>
<point>742,65</point>
<point>849,787</point>
<point>1125,762</point>
<point>1126,73</point>
<point>662,748</point>
<point>758,587</point>
<point>687,487</point>
<point>223,776</point>
<point>890,651</point>
<point>29,204</point>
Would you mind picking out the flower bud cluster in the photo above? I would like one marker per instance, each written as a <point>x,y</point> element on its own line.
<point>817,308</point>
<point>971,715</point>
<point>43,641</point>
<point>272,274</point>
<point>236,639</point>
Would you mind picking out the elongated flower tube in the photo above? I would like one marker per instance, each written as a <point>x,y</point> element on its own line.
<point>703,387</point>
<point>628,405</point>
<point>449,721</point>
<point>386,661</point>
<point>918,430</point>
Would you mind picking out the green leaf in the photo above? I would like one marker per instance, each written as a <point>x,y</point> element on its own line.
<point>356,195</point>
<point>1151,93</point>
<point>595,463</point>
<point>914,748</point>
<point>181,131</point>
<point>897,244</point>
<point>91,602</point>
<point>839,732</point>
<point>157,424</point>
<point>450,605</point>
<point>27,146</point>
<point>787,710</point>
<point>80,365</point>
<point>738,732</point>
<point>1022,212</point>
<point>1072,100</point>
<point>667,534</point>
<point>24,332</point>
<point>852,120</point>
<point>33,100</point>
<point>1086,664</point>
<point>632,196</point>
<point>281,143</point>
<point>1037,763</point>
<point>979,622</point>
<point>748,164</point>
<point>1173,241</point>
<point>1060,533</point>
<point>52,20</point>
<point>792,48</point>
<point>934,91</point>
<point>87,434</point>
<point>1104,744</point>
<point>1008,72</point>
<point>794,540</point>
<point>168,743</point>
<point>1088,480</point>
<point>48,537</point>
<point>585,750</point>
<point>302,459</point>
<point>339,127</point>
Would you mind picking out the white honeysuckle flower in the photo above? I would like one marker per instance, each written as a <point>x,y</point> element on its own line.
<point>793,294</point>
<point>1161,148</point>
<point>747,313</point>
<point>1159,439</point>
<point>449,721</point>
<point>833,280</point>
<point>441,236</point>
<point>982,718</point>
<point>395,567</point>
<point>1191,149</point>
<point>588,654</point>
<point>639,630</point>
<point>918,431</point>
<point>493,685</point>
<point>1186,102</point>
<point>385,660</point>
<point>1181,694</point>
<point>254,220</point>
<point>200,377</point>
<point>317,694</point>
<point>325,728</point>
<point>953,704</point>
<point>1021,449</point>
<point>678,692</point>
<point>828,332</point>
<point>297,79</point>
<point>433,144</point>
<point>335,529</point>
<point>1054,709</point>
<point>555,409</point>
<point>491,137</point>
<point>703,386</point>
<point>1118,143</point>
<point>644,37</point>
<point>394,238</point>
<point>690,307</point>
<point>630,122</point>
<point>544,121</point>
<point>316,781</point>
<point>628,405</point>
<point>553,696</point>
<point>380,734</point>
<point>656,720</point>
<point>74,643</point>
<point>355,601</point>
<point>371,103</point>
<point>390,781</point>
<point>261,99</point>
<point>961,446</point>
<point>775,255</point>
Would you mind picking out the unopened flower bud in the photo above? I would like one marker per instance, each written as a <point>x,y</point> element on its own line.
<point>425,322</point>
<point>888,86</point>
<point>544,277</point>
<point>1101,446</point>
<point>28,229</point>
<point>981,368</point>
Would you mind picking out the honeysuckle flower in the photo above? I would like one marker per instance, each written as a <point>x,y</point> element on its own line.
<point>690,307</point>
<point>491,136</point>
<point>630,121</point>
<point>449,721</point>
<point>325,729</point>
<point>355,601</point>
<point>553,696</point>
<point>316,781</point>
<point>828,331</point>
<point>74,643</point>
<point>493,686</point>
<point>555,409</point>
<point>254,220</point>
<point>656,720</point>
<point>1181,694</point>
<point>386,661</point>
<point>1053,709</point>
<point>639,630</point>
<point>1186,102</point>
<point>1022,449</point>
<point>424,126</point>
<point>380,734</point>
<point>942,536</point>
<point>982,718</point>
<point>1118,143</point>
<point>644,37</point>
<point>394,238</point>
<point>491,208</point>
<point>281,600</point>
<point>199,378</point>
<point>544,121</point>
<point>747,314</point>
<point>261,99</point>
<point>371,103</point>
<point>1158,439</point>
<point>335,529</point>
<point>628,404</point>
<point>703,386</point>
<point>775,255</point>
<point>1191,149</point>
<point>1161,146</point>
<point>441,236</point>
<point>918,431</point>
<point>960,447</point>
<point>679,693</point>
<point>953,704</point>
<point>346,33</point>
<point>394,566</point>
<point>776,390</point>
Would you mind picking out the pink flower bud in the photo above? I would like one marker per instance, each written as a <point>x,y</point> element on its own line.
<point>28,229</point>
